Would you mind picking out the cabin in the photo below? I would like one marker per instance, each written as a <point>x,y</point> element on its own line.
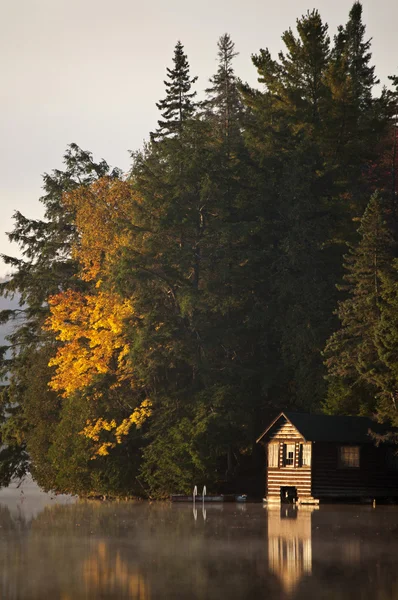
<point>312,457</point>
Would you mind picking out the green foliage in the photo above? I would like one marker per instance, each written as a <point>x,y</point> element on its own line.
<point>14,459</point>
<point>358,351</point>
<point>178,105</point>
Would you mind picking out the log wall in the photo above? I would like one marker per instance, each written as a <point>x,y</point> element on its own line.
<point>372,479</point>
<point>290,476</point>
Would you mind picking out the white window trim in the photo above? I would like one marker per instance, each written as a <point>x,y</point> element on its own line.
<point>290,445</point>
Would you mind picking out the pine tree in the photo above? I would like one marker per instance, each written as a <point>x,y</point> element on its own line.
<point>224,103</point>
<point>357,119</point>
<point>386,344</point>
<point>358,56</point>
<point>352,357</point>
<point>285,136</point>
<point>178,105</point>
<point>296,83</point>
<point>200,285</point>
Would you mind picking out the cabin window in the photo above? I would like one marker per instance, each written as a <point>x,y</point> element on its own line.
<point>349,457</point>
<point>392,459</point>
<point>288,455</point>
<point>305,455</point>
<point>273,455</point>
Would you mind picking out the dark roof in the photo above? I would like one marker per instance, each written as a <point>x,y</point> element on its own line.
<point>331,428</point>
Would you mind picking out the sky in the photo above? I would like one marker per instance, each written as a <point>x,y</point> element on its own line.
<point>91,71</point>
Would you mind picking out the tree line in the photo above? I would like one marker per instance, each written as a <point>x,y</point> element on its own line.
<point>246,264</point>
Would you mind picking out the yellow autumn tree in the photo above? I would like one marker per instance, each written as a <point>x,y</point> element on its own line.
<point>104,217</point>
<point>91,327</point>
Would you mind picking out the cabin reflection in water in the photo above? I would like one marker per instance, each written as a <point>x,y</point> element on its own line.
<point>290,543</point>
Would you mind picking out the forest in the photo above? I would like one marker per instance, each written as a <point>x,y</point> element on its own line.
<point>246,264</point>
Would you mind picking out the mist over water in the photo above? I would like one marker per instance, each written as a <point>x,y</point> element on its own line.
<point>54,547</point>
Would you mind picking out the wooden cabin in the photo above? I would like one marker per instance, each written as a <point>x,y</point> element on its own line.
<point>310,457</point>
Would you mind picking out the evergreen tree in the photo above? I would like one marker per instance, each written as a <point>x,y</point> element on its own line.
<point>386,344</point>
<point>178,105</point>
<point>392,151</point>
<point>224,102</point>
<point>357,52</point>
<point>285,136</point>
<point>295,85</point>
<point>357,119</point>
<point>352,356</point>
<point>195,279</point>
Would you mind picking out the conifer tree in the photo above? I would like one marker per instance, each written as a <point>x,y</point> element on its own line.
<point>357,118</point>
<point>285,136</point>
<point>358,56</point>
<point>224,102</point>
<point>392,151</point>
<point>352,357</point>
<point>178,105</point>
<point>295,84</point>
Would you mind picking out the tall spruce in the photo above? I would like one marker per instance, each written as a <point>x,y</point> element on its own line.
<point>224,102</point>
<point>355,371</point>
<point>357,52</point>
<point>285,137</point>
<point>179,104</point>
<point>357,120</point>
<point>206,262</point>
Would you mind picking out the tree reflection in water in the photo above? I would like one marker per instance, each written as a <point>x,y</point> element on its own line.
<point>104,571</point>
<point>141,551</point>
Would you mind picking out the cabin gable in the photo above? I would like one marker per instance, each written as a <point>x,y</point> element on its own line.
<point>283,429</point>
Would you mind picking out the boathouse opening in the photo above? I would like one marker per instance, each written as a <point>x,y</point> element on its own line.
<point>289,494</point>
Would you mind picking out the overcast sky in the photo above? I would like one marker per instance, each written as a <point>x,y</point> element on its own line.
<point>90,72</point>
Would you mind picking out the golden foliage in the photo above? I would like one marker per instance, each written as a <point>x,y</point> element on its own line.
<point>94,429</point>
<point>91,327</point>
<point>103,218</point>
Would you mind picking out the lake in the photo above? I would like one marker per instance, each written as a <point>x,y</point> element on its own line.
<point>60,548</point>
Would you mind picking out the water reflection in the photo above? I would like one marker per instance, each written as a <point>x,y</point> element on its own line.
<point>142,551</point>
<point>290,544</point>
<point>201,510</point>
<point>104,571</point>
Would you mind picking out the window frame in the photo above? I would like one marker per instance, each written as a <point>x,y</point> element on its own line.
<point>284,455</point>
<point>341,463</point>
<point>276,448</point>
<point>302,453</point>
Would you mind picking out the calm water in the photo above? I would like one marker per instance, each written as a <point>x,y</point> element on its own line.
<point>64,549</point>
